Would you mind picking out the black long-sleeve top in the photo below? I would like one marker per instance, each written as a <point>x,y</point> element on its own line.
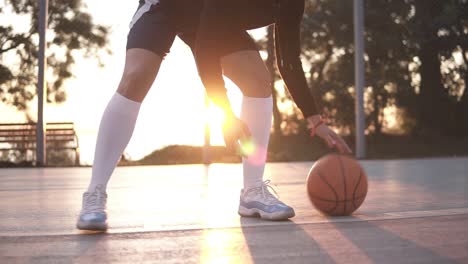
<point>221,17</point>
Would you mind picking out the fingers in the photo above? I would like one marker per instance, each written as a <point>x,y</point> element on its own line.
<point>244,133</point>
<point>330,142</point>
<point>344,145</point>
<point>231,144</point>
<point>333,140</point>
<point>235,136</point>
<point>230,140</point>
<point>340,144</point>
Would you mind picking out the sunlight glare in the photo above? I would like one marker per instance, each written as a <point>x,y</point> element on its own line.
<point>248,147</point>
<point>215,116</point>
<point>219,243</point>
<point>257,155</point>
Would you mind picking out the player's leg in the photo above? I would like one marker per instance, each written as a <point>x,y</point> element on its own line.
<point>243,65</point>
<point>120,115</point>
<point>149,40</point>
<point>248,71</point>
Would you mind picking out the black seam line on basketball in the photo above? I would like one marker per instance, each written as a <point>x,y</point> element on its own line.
<point>338,201</point>
<point>334,191</point>
<point>331,187</point>
<point>344,181</point>
<point>355,188</point>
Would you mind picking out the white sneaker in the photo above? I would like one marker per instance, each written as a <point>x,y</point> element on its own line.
<point>260,202</point>
<point>93,214</point>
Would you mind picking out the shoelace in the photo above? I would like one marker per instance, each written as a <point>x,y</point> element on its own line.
<point>95,201</point>
<point>266,194</point>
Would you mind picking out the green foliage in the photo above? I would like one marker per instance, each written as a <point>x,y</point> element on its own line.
<point>70,29</point>
<point>404,41</point>
<point>439,30</point>
<point>329,47</point>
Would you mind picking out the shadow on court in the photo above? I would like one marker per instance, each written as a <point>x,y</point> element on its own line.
<point>416,211</point>
<point>359,242</point>
<point>374,242</point>
<point>286,243</point>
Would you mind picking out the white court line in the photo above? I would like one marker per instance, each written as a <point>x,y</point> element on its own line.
<point>341,219</point>
<point>140,228</point>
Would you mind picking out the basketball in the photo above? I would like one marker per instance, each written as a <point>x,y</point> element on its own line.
<point>337,185</point>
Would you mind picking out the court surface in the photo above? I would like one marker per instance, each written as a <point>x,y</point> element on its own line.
<point>416,211</point>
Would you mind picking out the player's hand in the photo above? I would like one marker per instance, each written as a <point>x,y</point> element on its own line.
<point>328,135</point>
<point>235,133</point>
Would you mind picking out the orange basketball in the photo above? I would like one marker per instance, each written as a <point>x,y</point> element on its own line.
<point>337,185</point>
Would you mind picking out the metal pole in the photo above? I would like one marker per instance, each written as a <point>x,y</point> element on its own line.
<point>41,85</point>
<point>207,143</point>
<point>359,78</point>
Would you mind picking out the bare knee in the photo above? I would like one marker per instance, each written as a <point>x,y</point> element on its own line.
<point>133,86</point>
<point>248,71</point>
<point>140,70</point>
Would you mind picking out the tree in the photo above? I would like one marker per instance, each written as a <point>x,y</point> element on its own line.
<point>439,30</point>
<point>329,49</point>
<point>71,32</point>
<point>410,49</point>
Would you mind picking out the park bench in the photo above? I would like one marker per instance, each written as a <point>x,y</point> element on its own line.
<point>22,137</point>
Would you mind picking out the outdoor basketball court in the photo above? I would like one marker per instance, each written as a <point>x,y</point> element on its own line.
<point>416,211</point>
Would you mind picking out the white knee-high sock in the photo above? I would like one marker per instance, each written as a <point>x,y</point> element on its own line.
<point>257,115</point>
<point>115,131</point>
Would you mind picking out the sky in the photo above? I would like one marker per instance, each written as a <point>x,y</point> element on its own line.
<point>172,113</point>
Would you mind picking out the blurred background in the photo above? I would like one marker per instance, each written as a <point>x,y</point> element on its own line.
<point>415,96</point>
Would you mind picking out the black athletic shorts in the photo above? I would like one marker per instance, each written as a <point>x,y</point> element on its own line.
<point>155,25</point>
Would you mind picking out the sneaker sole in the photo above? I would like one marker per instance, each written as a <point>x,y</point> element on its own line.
<point>92,226</point>
<point>275,216</point>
